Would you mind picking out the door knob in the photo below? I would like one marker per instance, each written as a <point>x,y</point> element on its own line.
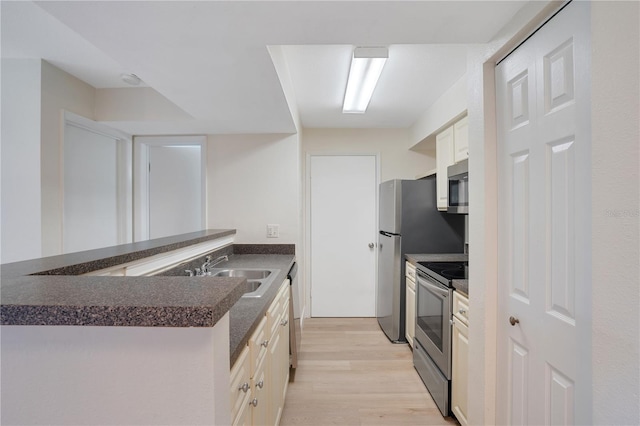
<point>371,245</point>
<point>513,321</point>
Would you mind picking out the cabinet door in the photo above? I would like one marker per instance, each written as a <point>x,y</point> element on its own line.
<point>459,374</point>
<point>410,319</point>
<point>444,158</point>
<point>260,396</point>
<point>282,365</point>
<point>274,379</point>
<point>461,140</point>
<point>241,388</point>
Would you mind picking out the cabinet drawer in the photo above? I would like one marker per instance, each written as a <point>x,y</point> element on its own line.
<point>410,271</point>
<point>258,345</point>
<point>461,307</point>
<point>240,384</point>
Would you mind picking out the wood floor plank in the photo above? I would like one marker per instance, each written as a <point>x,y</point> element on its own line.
<point>350,374</point>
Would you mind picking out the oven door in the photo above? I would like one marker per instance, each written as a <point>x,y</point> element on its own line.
<point>433,329</point>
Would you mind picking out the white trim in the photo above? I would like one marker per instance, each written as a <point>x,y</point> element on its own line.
<point>307,215</point>
<point>141,146</point>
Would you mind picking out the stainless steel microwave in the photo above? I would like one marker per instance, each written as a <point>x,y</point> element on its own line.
<point>458,175</point>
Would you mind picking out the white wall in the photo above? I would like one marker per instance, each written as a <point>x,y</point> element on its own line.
<point>446,109</point>
<point>396,160</point>
<point>615,357</point>
<point>20,151</point>
<point>68,375</point>
<point>136,104</point>
<point>60,91</point>
<point>615,95</point>
<point>252,181</point>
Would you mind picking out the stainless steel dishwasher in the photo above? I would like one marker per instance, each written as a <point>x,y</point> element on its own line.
<point>295,307</point>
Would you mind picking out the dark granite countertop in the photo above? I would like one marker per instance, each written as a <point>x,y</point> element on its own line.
<point>246,314</point>
<point>437,257</point>
<point>93,260</point>
<point>461,286</point>
<point>50,291</point>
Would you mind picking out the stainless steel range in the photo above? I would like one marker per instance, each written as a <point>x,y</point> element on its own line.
<point>432,343</point>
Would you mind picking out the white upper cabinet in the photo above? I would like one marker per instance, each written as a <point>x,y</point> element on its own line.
<point>452,146</point>
<point>461,140</point>
<point>444,158</point>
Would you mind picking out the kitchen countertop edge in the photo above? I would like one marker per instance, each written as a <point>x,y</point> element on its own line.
<point>33,295</point>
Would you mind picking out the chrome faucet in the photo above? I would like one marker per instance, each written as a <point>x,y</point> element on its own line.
<point>210,264</point>
<point>204,269</point>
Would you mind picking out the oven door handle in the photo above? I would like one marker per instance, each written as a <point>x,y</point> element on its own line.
<point>437,290</point>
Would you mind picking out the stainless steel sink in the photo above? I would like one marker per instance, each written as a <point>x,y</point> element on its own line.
<point>249,274</point>
<point>252,286</point>
<point>258,280</point>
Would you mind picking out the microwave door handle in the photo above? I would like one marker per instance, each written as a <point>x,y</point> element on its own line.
<point>442,293</point>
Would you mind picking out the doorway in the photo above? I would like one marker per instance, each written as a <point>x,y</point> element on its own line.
<point>343,214</point>
<point>170,185</point>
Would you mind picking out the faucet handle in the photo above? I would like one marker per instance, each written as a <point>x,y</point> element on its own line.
<point>189,272</point>
<point>208,258</point>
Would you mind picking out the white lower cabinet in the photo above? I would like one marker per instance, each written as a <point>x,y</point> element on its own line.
<point>260,376</point>
<point>460,358</point>
<point>410,308</point>
<point>260,389</point>
<point>241,389</point>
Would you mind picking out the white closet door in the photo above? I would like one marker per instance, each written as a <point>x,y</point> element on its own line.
<point>343,225</point>
<point>90,190</point>
<point>544,163</point>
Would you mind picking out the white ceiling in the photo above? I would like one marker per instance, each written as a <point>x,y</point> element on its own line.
<point>210,58</point>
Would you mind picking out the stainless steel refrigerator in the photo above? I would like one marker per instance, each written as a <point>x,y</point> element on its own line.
<point>409,222</point>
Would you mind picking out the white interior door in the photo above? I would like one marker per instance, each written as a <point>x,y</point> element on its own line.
<point>170,175</point>
<point>544,226</point>
<point>175,199</point>
<point>95,189</point>
<point>343,192</point>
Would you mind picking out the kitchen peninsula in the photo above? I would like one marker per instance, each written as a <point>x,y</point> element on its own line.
<point>107,349</point>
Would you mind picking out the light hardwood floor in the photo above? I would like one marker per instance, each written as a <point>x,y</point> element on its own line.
<point>350,374</point>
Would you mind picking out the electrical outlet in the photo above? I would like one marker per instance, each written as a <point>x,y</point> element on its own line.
<point>273,231</point>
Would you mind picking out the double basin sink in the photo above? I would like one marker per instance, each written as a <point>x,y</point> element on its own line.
<point>258,280</point>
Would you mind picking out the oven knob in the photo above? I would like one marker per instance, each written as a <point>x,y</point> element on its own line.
<point>513,321</point>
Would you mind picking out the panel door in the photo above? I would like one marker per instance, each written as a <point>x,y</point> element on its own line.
<point>343,233</point>
<point>544,374</point>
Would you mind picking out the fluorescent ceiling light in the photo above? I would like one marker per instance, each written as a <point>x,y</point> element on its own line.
<point>366,66</point>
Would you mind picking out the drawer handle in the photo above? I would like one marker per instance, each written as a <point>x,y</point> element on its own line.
<point>284,322</point>
<point>244,388</point>
<point>254,402</point>
<point>462,312</point>
<point>265,343</point>
<point>260,384</point>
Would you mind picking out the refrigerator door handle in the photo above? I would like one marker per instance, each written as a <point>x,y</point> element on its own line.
<point>388,234</point>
